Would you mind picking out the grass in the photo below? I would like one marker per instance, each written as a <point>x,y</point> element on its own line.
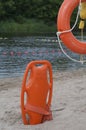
<point>28,27</point>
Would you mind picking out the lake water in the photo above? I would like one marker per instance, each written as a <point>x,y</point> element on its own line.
<point>17,52</point>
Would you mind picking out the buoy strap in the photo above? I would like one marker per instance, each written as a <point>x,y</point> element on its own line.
<point>37,109</point>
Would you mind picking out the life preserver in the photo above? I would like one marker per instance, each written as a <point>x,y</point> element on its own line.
<point>63,23</point>
<point>38,89</point>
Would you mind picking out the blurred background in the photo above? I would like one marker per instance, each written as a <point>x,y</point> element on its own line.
<point>28,32</point>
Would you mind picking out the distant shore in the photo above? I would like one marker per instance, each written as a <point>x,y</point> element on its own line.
<point>28,27</point>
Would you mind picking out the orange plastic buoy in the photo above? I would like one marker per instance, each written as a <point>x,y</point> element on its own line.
<point>63,23</point>
<point>36,93</point>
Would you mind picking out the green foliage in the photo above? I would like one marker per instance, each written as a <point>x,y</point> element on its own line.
<point>40,10</point>
<point>37,9</point>
<point>30,27</point>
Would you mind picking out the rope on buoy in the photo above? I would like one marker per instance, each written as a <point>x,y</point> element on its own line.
<point>66,31</point>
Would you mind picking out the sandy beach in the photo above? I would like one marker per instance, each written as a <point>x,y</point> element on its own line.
<point>68,103</point>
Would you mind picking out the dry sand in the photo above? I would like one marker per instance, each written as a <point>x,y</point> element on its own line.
<point>68,104</point>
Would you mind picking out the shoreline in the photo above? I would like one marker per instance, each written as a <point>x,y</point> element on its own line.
<point>68,103</point>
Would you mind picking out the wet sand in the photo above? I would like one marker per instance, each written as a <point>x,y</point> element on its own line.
<point>68,103</point>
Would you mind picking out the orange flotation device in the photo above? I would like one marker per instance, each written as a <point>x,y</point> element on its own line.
<point>36,93</point>
<point>63,23</point>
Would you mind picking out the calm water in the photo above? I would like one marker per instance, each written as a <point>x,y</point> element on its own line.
<point>17,52</point>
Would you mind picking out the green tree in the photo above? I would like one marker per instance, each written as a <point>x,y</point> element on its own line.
<point>2,11</point>
<point>45,10</point>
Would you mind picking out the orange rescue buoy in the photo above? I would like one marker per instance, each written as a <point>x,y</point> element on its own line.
<point>63,24</point>
<point>36,93</point>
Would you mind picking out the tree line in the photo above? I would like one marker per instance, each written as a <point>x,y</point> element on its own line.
<point>19,10</point>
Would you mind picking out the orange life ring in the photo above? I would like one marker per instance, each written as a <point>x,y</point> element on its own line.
<point>63,23</point>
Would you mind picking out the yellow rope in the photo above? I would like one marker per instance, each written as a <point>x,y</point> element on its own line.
<point>82,22</point>
<point>82,15</point>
